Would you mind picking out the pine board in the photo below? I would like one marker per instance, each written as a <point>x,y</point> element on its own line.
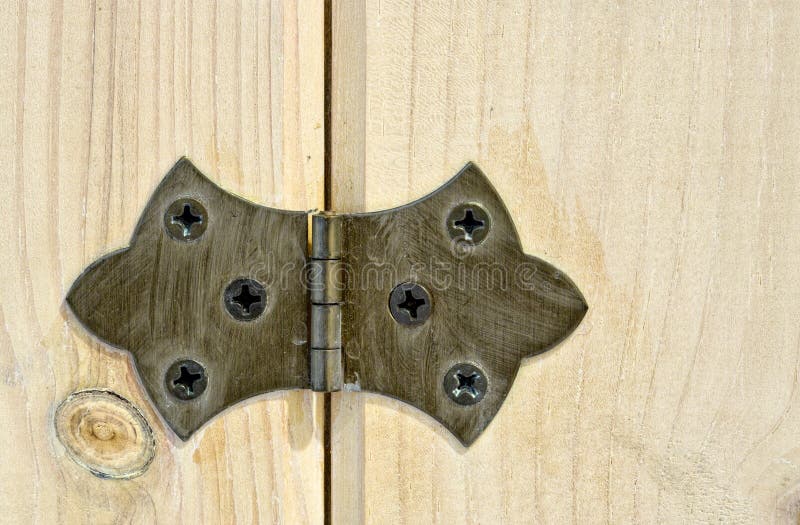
<point>99,99</point>
<point>649,150</point>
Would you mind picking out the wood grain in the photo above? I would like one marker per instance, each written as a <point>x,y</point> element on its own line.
<point>104,433</point>
<point>99,99</point>
<point>648,149</point>
<point>348,106</point>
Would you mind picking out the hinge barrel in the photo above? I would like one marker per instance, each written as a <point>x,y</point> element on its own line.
<point>325,295</point>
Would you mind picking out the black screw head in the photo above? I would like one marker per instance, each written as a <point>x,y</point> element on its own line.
<point>410,304</point>
<point>185,220</point>
<point>186,379</point>
<point>469,222</point>
<point>245,299</point>
<point>465,384</point>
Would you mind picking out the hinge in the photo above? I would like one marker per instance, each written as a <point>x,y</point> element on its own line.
<point>433,303</point>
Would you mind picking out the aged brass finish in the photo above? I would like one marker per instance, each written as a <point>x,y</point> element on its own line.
<point>465,304</point>
<point>492,304</point>
<point>162,300</point>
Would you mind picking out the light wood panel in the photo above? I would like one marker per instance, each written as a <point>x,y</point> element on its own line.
<point>649,150</point>
<point>348,140</point>
<point>98,100</point>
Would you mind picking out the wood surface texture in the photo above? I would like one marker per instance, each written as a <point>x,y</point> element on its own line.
<point>348,142</point>
<point>647,149</point>
<point>650,151</point>
<point>98,100</point>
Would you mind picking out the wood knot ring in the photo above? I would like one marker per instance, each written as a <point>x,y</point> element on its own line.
<point>105,433</point>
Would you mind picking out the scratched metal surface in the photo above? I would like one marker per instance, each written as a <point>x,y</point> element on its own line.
<point>492,304</point>
<point>162,299</point>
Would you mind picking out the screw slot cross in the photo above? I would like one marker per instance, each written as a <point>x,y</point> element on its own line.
<point>246,299</point>
<point>187,219</point>
<point>411,304</point>
<point>469,223</point>
<point>466,384</point>
<point>187,379</point>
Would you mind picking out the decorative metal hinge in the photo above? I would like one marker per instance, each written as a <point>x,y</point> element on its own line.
<point>432,303</point>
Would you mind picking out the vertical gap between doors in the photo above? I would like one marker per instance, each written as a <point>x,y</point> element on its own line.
<point>328,176</point>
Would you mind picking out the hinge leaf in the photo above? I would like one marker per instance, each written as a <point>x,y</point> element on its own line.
<point>491,305</point>
<point>220,304</point>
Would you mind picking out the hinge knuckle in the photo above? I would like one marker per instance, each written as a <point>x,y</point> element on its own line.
<point>326,236</point>
<point>325,295</point>
<point>325,281</point>
<point>326,326</point>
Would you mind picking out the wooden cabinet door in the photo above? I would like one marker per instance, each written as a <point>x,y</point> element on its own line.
<point>98,100</point>
<point>648,149</point>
